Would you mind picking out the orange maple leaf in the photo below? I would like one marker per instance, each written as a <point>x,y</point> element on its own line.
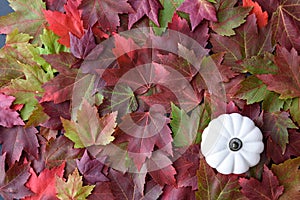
<point>262,17</point>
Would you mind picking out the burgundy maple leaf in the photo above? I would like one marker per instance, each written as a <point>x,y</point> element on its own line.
<point>60,88</point>
<point>12,181</point>
<point>268,188</point>
<point>198,11</point>
<point>286,81</point>
<point>105,12</point>
<point>144,131</point>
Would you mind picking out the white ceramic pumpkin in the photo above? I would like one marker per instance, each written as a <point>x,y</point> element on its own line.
<point>232,143</point>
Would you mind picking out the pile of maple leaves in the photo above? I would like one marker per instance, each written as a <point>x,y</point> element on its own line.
<point>63,140</point>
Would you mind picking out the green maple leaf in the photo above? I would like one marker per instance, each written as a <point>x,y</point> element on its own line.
<point>73,189</point>
<point>50,42</point>
<point>261,64</point>
<point>50,46</point>
<point>18,52</point>
<point>28,18</point>
<point>37,117</point>
<point>90,129</point>
<point>288,174</point>
<point>18,49</point>
<point>205,117</point>
<point>22,58</point>
<point>272,103</point>
<point>26,90</point>
<point>184,127</point>
<point>12,55</point>
<point>165,15</point>
<point>229,17</point>
<point>294,110</point>
<point>253,90</point>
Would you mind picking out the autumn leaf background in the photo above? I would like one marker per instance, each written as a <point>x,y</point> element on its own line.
<point>108,99</point>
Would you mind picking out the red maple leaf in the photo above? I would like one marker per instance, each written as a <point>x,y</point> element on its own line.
<point>125,52</point>
<point>225,71</point>
<point>198,11</point>
<point>171,86</point>
<point>268,188</point>
<point>262,17</point>
<point>152,190</point>
<point>186,167</point>
<point>249,41</point>
<point>124,186</point>
<point>63,24</point>
<point>43,185</point>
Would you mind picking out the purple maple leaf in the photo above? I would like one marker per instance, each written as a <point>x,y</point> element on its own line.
<point>8,116</point>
